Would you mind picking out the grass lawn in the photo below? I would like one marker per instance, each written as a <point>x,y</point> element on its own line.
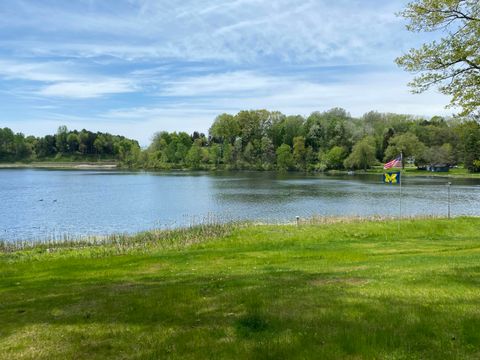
<point>353,290</point>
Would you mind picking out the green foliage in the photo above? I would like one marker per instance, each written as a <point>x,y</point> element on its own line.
<point>363,155</point>
<point>469,133</point>
<point>225,128</point>
<point>335,157</point>
<point>284,158</point>
<point>330,140</point>
<point>407,144</point>
<point>299,152</point>
<point>67,144</point>
<point>451,63</point>
<point>194,156</point>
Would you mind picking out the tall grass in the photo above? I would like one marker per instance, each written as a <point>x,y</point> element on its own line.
<point>198,230</point>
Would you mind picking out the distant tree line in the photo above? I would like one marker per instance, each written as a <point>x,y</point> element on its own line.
<point>264,140</point>
<point>67,145</point>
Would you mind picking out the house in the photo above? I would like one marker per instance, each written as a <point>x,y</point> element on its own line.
<point>438,167</point>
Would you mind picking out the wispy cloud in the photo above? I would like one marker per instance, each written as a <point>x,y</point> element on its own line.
<point>49,71</point>
<point>237,82</point>
<point>86,90</point>
<point>240,31</point>
<point>63,79</point>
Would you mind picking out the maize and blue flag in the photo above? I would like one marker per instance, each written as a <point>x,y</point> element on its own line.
<point>391,178</point>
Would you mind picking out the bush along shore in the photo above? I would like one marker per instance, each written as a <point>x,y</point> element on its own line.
<point>325,288</point>
<point>268,140</point>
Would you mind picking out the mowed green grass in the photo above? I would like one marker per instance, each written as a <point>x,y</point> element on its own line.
<point>357,290</point>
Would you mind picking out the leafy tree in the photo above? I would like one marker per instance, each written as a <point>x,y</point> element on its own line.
<point>100,144</point>
<point>267,151</point>
<point>128,152</point>
<point>72,142</point>
<point>470,144</point>
<point>285,129</point>
<point>215,154</point>
<point>335,157</point>
<point>227,157</point>
<point>225,128</point>
<point>453,62</point>
<point>248,153</point>
<point>23,150</point>
<point>194,155</point>
<point>407,144</point>
<point>440,155</point>
<point>363,155</point>
<point>45,146</point>
<point>7,144</point>
<point>61,139</point>
<point>84,141</point>
<point>284,157</point>
<point>299,152</point>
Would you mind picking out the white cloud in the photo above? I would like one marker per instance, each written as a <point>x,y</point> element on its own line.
<point>86,90</point>
<point>63,79</point>
<point>37,71</point>
<point>221,83</point>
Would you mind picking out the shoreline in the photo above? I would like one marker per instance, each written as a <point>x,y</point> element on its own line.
<point>199,230</point>
<point>83,165</point>
<point>111,165</point>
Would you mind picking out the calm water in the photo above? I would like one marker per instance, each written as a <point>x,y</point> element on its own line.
<point>37,204</point>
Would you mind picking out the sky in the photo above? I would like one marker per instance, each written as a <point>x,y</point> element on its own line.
<point>135,67</point>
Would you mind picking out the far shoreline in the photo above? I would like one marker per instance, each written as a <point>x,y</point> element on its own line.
<point>458,173</point>
<point>81,165</point>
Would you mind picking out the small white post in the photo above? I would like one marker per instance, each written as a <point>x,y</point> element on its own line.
<point>449,184</point>
<point>298,220</point>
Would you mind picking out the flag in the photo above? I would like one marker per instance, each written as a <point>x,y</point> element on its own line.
<point>391,178</point>
<point>394,163</point>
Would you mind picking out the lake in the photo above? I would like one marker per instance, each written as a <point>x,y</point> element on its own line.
<point>43,204</point>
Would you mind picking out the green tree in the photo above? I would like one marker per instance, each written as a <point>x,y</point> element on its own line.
<point>225,128</point>
<point>194,155</point>
<point>407,144</point>
<point>284,157</point>
<point>45,146</point>
<point>335,157</point>
<point>299,152</point>
<point>248,153</point>
<point>227,157</point>
<point>453,62</point>
<point>83,141</point>
<point>61,139</point>
<point>470,144</point>
<point>440,155</point>
<point>362,155</point>
<point>267,152</point>
<point>72,142</point>
<point>100,144</point>
<point>215,154</point>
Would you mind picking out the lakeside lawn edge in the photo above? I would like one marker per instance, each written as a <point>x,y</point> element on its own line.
<point>344,289</point>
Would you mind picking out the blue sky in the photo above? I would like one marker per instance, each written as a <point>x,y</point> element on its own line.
<point>134,67</point>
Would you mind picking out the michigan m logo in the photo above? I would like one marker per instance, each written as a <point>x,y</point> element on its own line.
<point>391,178</point>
